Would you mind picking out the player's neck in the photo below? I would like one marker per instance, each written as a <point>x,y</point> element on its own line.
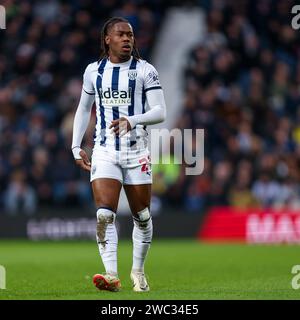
<point>115,59</point>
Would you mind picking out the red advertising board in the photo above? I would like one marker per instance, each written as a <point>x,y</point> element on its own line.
<point>251,225</point>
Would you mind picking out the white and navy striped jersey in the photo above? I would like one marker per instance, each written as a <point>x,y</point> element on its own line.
<point>119,90</point>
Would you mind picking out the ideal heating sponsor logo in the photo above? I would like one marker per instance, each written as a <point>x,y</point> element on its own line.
<point>112,98</point>
<point>2,18</point>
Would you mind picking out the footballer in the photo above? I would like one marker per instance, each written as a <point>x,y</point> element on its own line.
<point>128,97</point>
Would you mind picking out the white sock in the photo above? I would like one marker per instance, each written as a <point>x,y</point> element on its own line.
<point>141,236</point>
<point>107,239</point>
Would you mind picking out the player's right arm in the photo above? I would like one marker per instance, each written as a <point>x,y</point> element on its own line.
<point>81,121</point>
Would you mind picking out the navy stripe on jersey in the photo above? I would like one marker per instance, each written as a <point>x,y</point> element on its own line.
<point>131,84</point>
<point>102,115</point>
<point>153,88</point>
<point>116,116</point>
<point>114,86</point>
<point>143,100</point>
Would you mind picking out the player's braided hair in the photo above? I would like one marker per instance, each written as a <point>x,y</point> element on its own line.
<point>106,27</point>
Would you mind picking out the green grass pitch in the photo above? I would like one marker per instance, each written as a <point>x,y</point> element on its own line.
<point>176,269</point>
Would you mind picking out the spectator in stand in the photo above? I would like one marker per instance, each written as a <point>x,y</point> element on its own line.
<point>20,197</point>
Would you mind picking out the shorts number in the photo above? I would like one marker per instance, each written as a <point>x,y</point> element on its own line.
<point>145,164</point>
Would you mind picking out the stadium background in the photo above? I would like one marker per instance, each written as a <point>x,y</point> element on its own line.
<point>229,67</point>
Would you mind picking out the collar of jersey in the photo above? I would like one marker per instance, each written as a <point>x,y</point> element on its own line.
<point>128,62</point>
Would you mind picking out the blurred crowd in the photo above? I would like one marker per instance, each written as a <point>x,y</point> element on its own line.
<point>242,85</point>
<point>43,53</point>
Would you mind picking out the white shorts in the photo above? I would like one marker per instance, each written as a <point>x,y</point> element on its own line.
<point>129,167</point>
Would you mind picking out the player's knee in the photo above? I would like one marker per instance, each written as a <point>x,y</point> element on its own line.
<point>105,215</point>
<point>143,218</point>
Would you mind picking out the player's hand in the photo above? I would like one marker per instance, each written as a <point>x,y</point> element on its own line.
<point>84,162</point>
<point>120,126</point>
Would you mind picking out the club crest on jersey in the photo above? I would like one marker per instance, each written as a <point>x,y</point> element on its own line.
<point>132,74</point>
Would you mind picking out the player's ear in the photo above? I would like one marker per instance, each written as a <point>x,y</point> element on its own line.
<point>107,39</point>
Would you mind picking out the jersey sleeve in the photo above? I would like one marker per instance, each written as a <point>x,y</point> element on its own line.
<point>151,78</point>
<point>88,86</point>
